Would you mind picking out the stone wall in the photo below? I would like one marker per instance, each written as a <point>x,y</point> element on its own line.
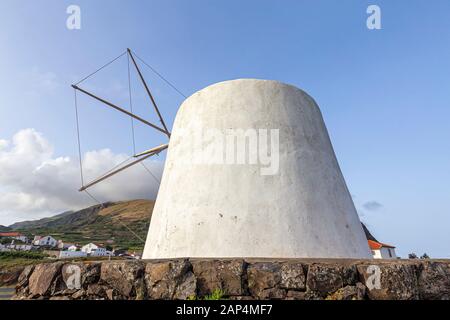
<point>238,278</point>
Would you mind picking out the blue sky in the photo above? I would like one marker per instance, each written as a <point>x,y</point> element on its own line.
<point>384,94</point>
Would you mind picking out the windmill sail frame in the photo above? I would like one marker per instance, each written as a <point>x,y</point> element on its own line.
<point>142,155</point>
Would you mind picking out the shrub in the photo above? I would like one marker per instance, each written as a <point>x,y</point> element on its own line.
<point>21,254</point>
<point>215,295</point>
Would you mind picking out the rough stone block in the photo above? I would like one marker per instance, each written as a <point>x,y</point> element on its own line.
<point>264,280</point>
<point>434,281</point>
<point>42,278</point>
<point>170,279</point>
<point>122,276</point>
<point>328,278</point>
<point>226,275</point>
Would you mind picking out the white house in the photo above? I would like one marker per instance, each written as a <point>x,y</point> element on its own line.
<point>88,248</point>
<point>24,247</point>
<point>382,250</point>
<point>72,248</point>
<point>95,250</point>
<point>72,254</point>
<point>14,235</point>
<point>101,252</point>
<point>64,245</point>
<point>45,241</point>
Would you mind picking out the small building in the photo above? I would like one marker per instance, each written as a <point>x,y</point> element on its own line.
<point>95,250</point>
<point>72,248</point>
<point>47,241</point>
<point>88,248</point>
<point>64,245</point>
<point>14,235</point>
<point>382,250</point>
<point>36,240</point>
<point>72,254</point>
<point>22,247</point>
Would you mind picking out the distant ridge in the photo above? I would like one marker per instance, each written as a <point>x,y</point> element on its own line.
<point>4,229</point>
<point>38,223</point>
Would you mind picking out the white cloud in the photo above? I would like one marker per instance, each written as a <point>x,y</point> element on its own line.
<point>34,183</point>
<point>3,143</point>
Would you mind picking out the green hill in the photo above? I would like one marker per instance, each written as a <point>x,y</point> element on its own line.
<point>119,224</point>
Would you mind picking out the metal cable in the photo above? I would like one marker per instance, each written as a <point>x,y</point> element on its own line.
<point>120,221</point>
<point>160,76</point>
<point>115,167</point>
<point>94,198</point>
<point>101,68</point>
<point>149,171</point>
<point>78,137</point>
<point>131,104</point>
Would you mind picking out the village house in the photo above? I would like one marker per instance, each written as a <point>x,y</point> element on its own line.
<point>47,241</point>
<point>95,250</point>
<point>72,254</point>
<point>14,235</point>
<point>382,250</point>
<point>65,245</point>
<point>20,247</point>
<point>72,248</point>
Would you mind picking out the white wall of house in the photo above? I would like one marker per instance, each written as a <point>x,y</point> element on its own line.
<point>100,252</point>
<point>23,247</point>
<point>71,254</point>
<point>47,241</point>
<point>384,253</point>
<point>21,238</point>
<point>89,248</point>
<point>64,245</point>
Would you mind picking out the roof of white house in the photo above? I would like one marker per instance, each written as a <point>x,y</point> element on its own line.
<point>374,245</point>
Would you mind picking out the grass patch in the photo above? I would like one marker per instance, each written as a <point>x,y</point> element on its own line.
<point>12,259</point>
<point>9,255</point>
<point>217,294</point>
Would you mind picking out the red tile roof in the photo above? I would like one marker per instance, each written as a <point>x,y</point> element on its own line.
<point>10,234</point>
<point>378,245</point>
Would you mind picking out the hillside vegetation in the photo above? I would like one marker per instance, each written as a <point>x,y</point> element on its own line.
<point>4,229</point>
<point>109,224</point>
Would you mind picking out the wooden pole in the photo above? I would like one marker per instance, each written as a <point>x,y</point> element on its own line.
<point>94,182</point>
<point>155,149</point>
<point>148,92</point>
<point>120,109</point>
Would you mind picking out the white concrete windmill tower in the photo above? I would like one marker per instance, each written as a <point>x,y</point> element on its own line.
<point>233,208</point>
